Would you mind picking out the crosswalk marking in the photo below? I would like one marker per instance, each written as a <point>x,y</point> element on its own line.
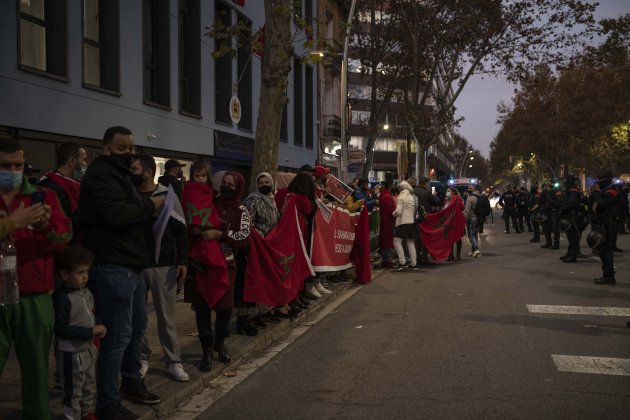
<point>588,364</point>
<point>578,310</point>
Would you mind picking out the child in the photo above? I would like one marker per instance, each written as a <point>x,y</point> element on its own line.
<point>75,329</point>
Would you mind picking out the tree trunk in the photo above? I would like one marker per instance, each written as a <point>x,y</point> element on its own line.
<point>276,65</point>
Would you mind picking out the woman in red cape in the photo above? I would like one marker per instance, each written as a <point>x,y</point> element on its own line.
<point>452,196</point>
<point>386,205</point>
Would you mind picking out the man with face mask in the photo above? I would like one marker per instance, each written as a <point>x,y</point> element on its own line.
<point>65,181</point>
<point>116,223</point>
<point>28,324</point>
<point>171,267</point>
<point>173,176</point>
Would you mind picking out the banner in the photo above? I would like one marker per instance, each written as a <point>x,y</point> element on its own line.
<point>337,189</point>
<point>332,240</point>
<point>439,231</point>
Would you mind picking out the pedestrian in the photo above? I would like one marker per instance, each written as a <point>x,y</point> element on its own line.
<point>453,197</point>
<point>557,202</point>
<point>116,225</point>
<point>29,323</point>
<point>535,211</point>
<point>169,270</point>
<point>264,216</point>
<point>523,200</point>
<point>386,205</point>
<point>405,227</point>
<point>546,214</point>
<point>76,327</point>
<point>571,211</point>
<point>508,202</point>
<point>607,210</point>
<point>471,219</point>
<point>429,203</point>
<point>173,176</point>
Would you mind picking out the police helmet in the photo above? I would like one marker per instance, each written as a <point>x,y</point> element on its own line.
<point>564,224</point>
<point>569,181</point>
<point>605,180</point>
<point>595,239</point>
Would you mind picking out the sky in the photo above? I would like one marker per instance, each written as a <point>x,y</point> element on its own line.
<point>478,101</point>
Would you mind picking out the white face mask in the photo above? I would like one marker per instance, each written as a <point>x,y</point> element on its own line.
<point>449,194</point>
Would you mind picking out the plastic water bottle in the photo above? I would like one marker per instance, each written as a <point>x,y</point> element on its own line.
<point>9,289</point>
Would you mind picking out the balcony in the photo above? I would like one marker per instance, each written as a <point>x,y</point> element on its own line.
<point>332,126</point>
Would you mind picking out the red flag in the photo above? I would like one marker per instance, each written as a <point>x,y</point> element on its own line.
<point>278,263</point>
<point>198,204</point>
<point>439,231</point>
<point>361,249</point>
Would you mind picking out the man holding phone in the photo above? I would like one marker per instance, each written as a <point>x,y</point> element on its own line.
<point>29,323</point>
<point>116,224</point>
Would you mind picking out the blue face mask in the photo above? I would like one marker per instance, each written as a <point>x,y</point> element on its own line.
<point>10,180</point>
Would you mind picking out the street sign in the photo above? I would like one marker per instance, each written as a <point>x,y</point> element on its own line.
<point>356,156</point>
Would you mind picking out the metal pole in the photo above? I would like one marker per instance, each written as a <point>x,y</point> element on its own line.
<point>461,167</point>
<point>344,96</point>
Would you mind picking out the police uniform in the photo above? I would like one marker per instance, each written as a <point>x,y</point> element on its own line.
<point>607,208</point>
<point>537,201</point>
<point>508,202</point>
<point>557,200</point>
<point>523,200</point>
<point>546,209</point>
<point>571,210</point>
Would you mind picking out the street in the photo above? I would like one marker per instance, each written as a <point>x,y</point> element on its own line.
<point>457,340</point>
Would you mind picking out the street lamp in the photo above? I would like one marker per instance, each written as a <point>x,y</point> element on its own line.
<point>461,167</point>
<point>344,96</point>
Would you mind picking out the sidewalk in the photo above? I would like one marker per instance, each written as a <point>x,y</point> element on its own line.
<point>173,393</point>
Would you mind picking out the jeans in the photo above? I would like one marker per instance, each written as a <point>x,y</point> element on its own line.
<point>119,299</point>
<point>471,228</point>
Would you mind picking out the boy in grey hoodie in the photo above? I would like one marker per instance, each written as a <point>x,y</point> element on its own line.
<point>75,329</point>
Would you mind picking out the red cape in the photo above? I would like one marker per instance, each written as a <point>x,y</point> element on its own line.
<point>198,203</point>
<point>439,231</point>
<point>278,263</point>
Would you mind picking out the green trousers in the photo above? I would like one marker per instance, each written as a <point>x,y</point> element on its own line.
<point>29,325</point>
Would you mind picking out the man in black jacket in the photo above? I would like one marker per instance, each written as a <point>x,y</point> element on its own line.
<point>170,269</point>
<point>173,176</point>
<point>117,229</point>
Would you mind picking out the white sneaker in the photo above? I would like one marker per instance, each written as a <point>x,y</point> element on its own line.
<point>313,291</point>
<point>470,254</point>
<point>483,234</point>
<point>476,254</point>
<point>179,297</point>
<point>177,372</point>
<point>321,289</point>
<point>144,367</point>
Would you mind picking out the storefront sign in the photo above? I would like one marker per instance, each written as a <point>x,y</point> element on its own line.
<point>231,146</point>
<point>356,156</point>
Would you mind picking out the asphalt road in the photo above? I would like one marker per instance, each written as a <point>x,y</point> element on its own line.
<point>458,341</point>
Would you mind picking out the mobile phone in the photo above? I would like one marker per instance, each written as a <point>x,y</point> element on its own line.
<point>38,197</point>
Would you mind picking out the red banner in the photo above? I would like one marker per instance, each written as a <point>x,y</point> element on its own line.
<point>332,240</point>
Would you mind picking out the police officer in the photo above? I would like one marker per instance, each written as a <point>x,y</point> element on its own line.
<point>523,203</point>
<point>546,211</point>
<point>607,208</point>
<point>556,201</point>
<point>508,202</point>
<point>535,211</point>
<point>570,209</point>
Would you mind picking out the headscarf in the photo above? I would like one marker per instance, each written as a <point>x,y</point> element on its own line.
<point>216,180</point>
<point>269,197</point>
<point>223,203</point>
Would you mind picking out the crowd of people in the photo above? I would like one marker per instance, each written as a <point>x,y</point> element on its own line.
<point>89,252</point>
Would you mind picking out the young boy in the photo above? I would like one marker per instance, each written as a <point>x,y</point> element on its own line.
<point>75,329</point>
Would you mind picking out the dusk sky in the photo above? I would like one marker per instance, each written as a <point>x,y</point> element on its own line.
<point>479,99</point>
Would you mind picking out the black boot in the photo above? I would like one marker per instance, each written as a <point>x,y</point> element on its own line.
<point>556,246</point>
<point>547,245</point>
<point>605,280</point>
<point>244,327</point>
<point>206,360</point>
<point>220,348</point>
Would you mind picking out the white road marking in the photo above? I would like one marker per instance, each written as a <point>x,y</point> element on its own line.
<point>199,403</point>
<point>578,310</point>
<point>588,364</point>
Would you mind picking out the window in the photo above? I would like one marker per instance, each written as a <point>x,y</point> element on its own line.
<point>308,94</point>
<point>244,66</point>
<point>42,37</point>
<point>298,108</point>
<point>156,52</point>
<point>189,58</point>
<point>101,45</point>
<point>223,69</point>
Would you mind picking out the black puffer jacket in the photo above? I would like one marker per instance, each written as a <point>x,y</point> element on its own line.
<point>116,221</point>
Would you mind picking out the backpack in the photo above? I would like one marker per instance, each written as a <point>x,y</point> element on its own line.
<point>482,209</point>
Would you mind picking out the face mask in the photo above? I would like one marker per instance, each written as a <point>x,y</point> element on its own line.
<point>136,180</point>
<point>265,189</point>
<point>449,194</point>
<point>123,160</point>
<point>80,173</point>
<point>227,192</point>
<point>10,180</point>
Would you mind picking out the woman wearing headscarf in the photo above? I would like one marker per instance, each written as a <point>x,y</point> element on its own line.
<point>264,216</point>
<point>453,198</point>
<point>235,221</point>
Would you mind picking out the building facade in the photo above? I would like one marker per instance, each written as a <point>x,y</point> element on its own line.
<point>71,69</point>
